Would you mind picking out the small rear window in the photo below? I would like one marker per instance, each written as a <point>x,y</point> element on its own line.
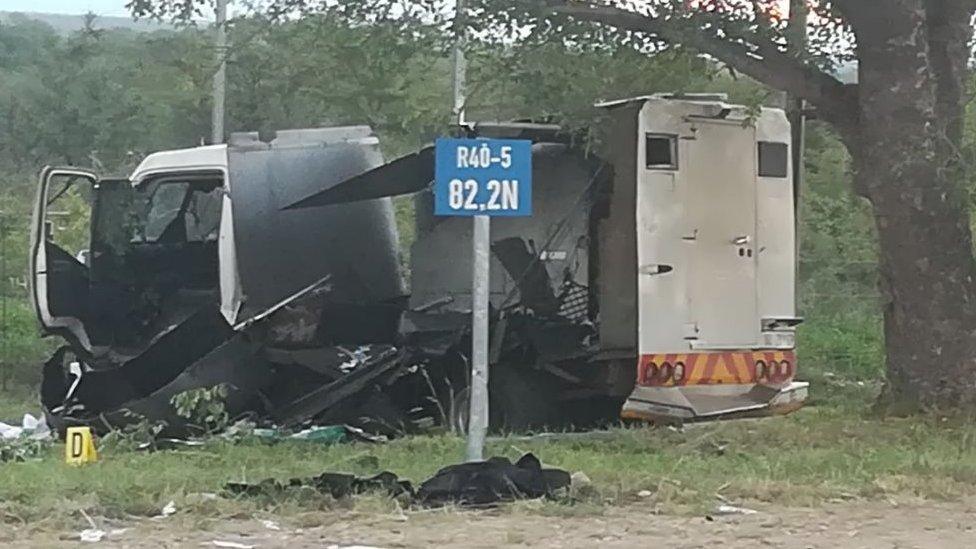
<point>661,152</point>
<point>773,159</point>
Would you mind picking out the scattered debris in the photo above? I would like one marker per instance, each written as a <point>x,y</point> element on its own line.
<point>492,481</point>
<point>322,434</point>
<point>167,510</point>
<point>724,509</point>
<point>337,485</point>
<point>159,444</point>
<point>644,494</point>
<point>92,535</point>
<point>271,525</point>
<point>230,544</point>
<point>475,483</point>
<point>30,427</point>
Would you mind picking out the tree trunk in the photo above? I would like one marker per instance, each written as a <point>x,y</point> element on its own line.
<point>905,147</point>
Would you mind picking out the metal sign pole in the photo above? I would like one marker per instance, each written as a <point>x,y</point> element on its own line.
<point>480,259</point>
<point>478,416</point>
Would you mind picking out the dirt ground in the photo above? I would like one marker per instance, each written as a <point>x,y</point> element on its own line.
<point>849,525</point>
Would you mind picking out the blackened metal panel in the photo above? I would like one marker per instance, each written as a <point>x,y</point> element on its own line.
<point>617,235</point>
<point>279,251</point>
<point>236,364</point>
<point>562,181</point>
<point>405,175</point>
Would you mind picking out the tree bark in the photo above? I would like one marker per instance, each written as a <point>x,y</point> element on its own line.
<point>905,148</point>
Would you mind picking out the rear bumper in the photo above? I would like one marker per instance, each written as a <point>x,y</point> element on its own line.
<point>692,402</point>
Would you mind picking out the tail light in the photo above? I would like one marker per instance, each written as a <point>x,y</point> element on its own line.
<point>679,372</point>
<point>650,373</point>
<point>761,372</point>
<point>666,372</point>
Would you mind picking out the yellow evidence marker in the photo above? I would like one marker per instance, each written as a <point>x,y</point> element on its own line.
<point>79,447</point>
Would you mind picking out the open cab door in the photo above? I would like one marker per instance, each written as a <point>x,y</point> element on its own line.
<point>60,246</point>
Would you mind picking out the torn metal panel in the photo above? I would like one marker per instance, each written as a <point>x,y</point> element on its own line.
<point>528,274</point>
<point>323,361</point>
<point>236,364</point>
<point>540,133</point>
<point>278,251</point>
<point>359,323</point>
<point>379,363</point>
<point>405,175</point>
<point>433,333</point>
<point>558,341</point>
<point>104,390</point>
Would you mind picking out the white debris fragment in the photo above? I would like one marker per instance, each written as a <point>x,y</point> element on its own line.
<point>168,509</point>
<point>644,494</point>
<point>733,510</point>
<point>92,535</point>
<point>30,427</point>
<point>230,544</point>
<point>271,525</point>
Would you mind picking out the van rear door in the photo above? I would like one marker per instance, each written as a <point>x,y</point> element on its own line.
<point>721,205</point>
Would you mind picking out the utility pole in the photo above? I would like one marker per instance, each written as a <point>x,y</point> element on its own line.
<point>480,259</point>
<point>459,69</point>
<point>797,38</point>
<point>797,42</point>
<point>220,77</point>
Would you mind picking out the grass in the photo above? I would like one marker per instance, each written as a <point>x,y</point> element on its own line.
<point>816,455</point>
<point>833,449</point>
<point>17,400</point>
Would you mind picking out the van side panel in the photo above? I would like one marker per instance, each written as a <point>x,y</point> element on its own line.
<point>279,252</point>
<point>618,237</point>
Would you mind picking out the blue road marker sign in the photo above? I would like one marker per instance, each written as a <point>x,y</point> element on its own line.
<point>483,177</point>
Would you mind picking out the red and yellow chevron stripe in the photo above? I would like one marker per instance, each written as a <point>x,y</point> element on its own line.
<point>670,370</point>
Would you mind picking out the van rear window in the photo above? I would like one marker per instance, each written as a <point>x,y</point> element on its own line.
<point>661,152</point>
<point>773,159</point>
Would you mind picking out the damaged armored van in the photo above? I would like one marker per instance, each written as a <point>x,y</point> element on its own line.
<point>654,279</point>
<point>189,273</point>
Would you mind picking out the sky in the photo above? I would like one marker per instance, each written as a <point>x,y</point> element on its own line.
<point>75,7</point>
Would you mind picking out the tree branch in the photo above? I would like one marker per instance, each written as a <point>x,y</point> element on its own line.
<point>764,61</point>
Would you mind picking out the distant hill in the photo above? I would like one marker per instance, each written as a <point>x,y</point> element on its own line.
<point>65,24</point>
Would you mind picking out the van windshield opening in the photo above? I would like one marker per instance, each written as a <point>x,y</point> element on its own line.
<point>178,210</point>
